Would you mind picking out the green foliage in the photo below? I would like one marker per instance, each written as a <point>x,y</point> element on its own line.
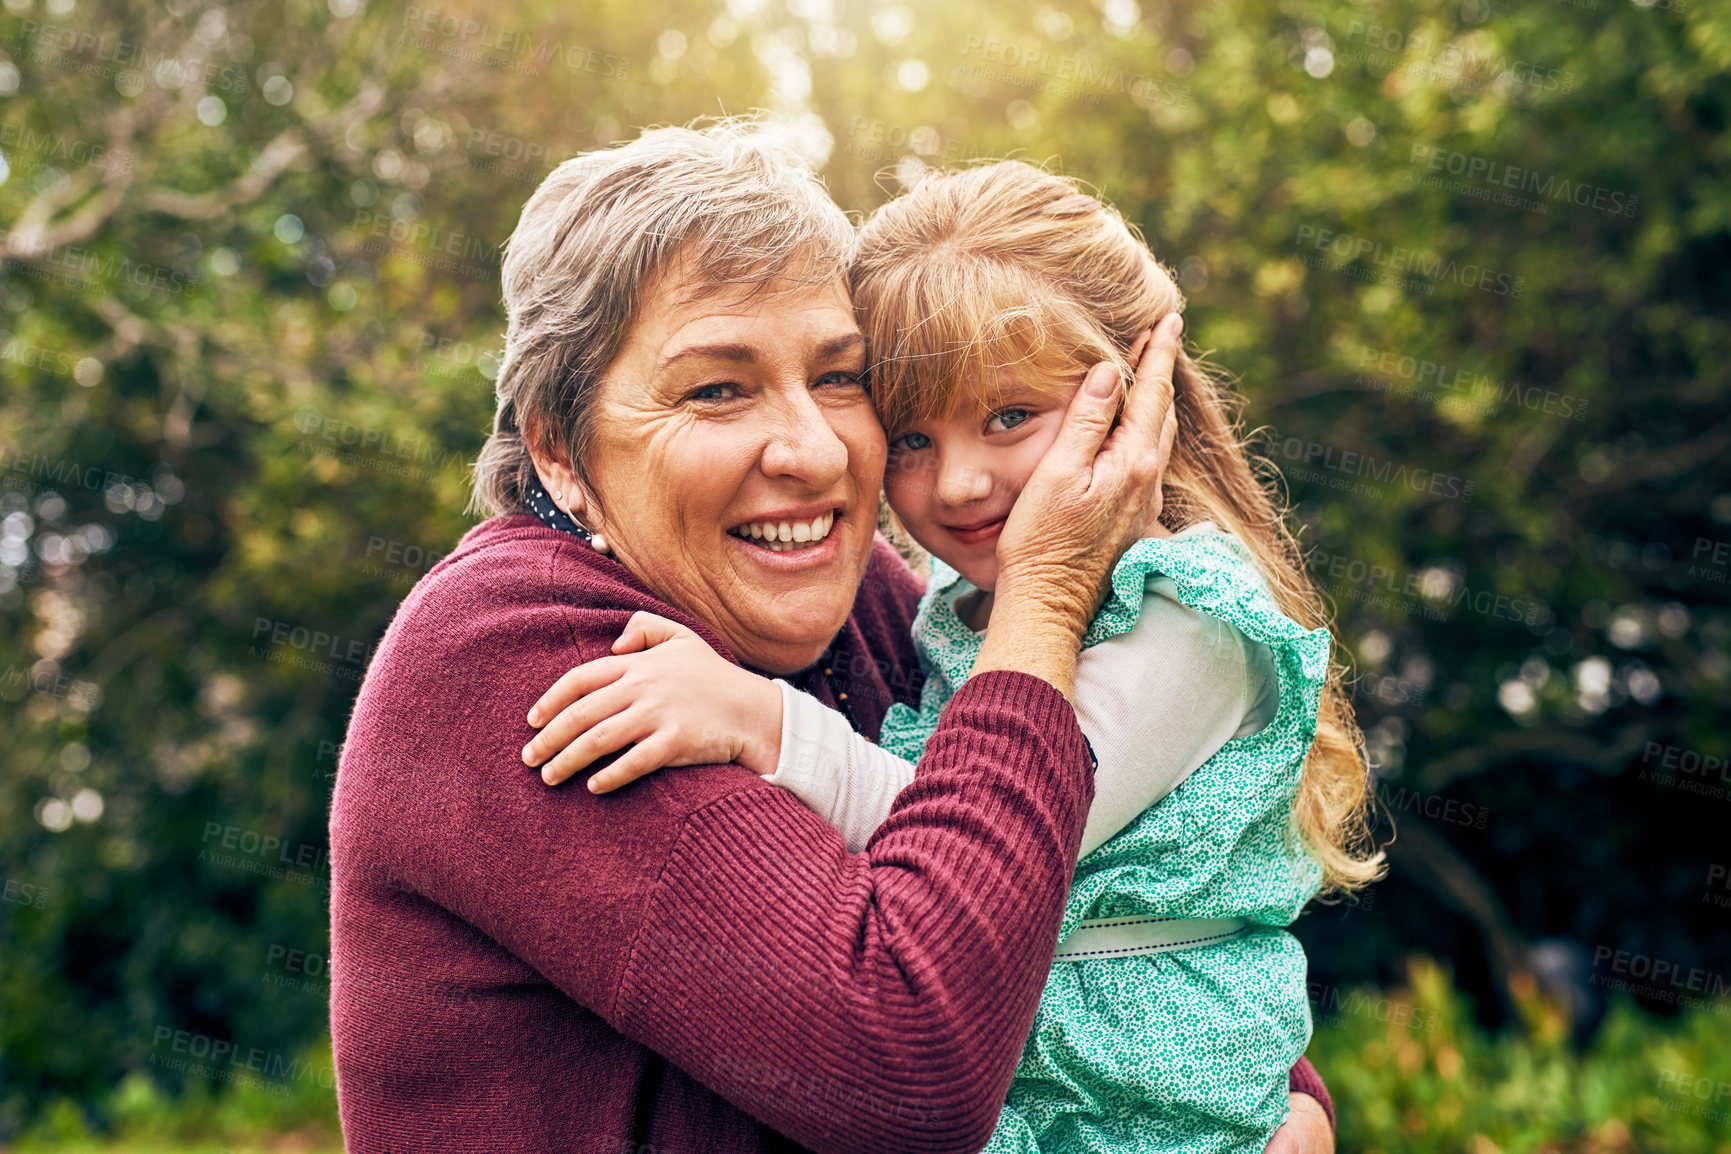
<point>1408,1068</point>
<point>245,1115</point>
<point>246,358</point>
<point>1411,1072</point>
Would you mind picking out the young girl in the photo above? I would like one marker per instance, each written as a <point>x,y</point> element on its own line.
<point>1177,1002</point>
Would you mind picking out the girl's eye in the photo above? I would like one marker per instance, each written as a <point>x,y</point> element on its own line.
<point>911,442</point>
<point>1007,419</point>
<point>851,380</point>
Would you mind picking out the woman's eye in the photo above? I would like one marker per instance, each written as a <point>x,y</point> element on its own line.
<point>710,393</point>
<point>1007,419</point>
<point>851,380</point>
<point>911,442</point>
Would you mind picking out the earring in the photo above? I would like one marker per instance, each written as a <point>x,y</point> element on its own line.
<point>599,542</point>
<point>559,496</point>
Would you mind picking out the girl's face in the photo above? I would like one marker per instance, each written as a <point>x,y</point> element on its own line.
<point>952,482</point>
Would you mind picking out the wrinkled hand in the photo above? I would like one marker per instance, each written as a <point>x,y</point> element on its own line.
<point>1090,498</point>
<point>668,692</point>
<point>1305,1131</point>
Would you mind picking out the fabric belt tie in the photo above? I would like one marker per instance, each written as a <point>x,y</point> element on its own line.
<point>1126,937</point>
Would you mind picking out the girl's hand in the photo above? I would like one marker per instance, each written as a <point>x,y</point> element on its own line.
<point>665,689</point>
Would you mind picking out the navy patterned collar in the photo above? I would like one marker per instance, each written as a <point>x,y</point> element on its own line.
<point>552,515</point>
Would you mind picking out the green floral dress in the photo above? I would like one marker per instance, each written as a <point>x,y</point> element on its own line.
<point>1186,1050</point>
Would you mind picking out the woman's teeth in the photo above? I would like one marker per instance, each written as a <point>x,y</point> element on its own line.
<point>784,536</point>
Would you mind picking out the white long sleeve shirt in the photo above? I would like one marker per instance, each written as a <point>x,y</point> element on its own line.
<point>1155,702</point>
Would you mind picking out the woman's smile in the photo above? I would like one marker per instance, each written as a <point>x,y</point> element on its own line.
<point>787,543</point>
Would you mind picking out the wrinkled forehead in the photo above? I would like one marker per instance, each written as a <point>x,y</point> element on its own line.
<point>800,314</point>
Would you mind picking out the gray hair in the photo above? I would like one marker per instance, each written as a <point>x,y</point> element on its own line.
<point>732,200</point>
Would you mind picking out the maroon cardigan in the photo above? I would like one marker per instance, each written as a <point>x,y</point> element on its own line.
<point>692,964</point>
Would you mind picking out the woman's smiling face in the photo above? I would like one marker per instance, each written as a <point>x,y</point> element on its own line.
<point>953,481</point>
<point>725,419</point>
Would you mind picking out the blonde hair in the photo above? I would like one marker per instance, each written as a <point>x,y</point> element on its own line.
<point>1008,266</point>
<point>733,200</point>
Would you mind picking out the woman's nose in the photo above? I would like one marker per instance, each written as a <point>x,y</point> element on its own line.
<point>804,445</point>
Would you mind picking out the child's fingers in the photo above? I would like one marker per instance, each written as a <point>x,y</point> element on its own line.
<point>646,630</point>
<point>582,679</point>
<point>641,760</point>
<point>573,721</point>
<point>609,735</point>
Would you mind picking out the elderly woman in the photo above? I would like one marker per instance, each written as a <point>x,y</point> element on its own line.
<point>695,963</point>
